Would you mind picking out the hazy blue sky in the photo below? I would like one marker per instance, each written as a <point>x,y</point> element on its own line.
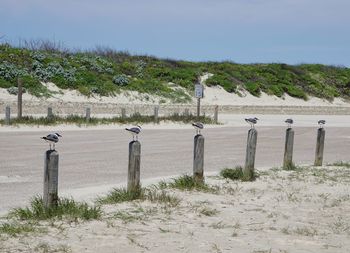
<point>244,31</point>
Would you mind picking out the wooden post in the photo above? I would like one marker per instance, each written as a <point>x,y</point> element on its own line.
<point>187,112</point>
<point>49,113</point>
<point>198,107</point>
<point>88,114</point>
<point>216,114</point>
<point>134,166</point>
<point>8,115</point>
<point>198,158</point>
<point>19,98</point>
<point>123,113</point>
<point>248,171</point>
<point>288,149</point>
<point>50,197</point>
<point>156,111</point>
<point>321,133</point>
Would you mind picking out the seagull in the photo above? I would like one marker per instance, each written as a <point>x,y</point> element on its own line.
<point>289,122</point>
<point>252,121</point>
<point>198,126</point>
<point>321,123</point>
<point>52,139</point>
<point>134,131</point>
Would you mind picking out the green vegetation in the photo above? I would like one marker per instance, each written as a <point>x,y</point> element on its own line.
<point>14,228</point>
<point>80,120</point>
<point>340,164</point>
<point>104,71</point>
<point>233,174</point>
<point>187,183</point>
<point>237,174</point>
<point>292,166</point>
<point>119,195</point>
<point>66,208</point>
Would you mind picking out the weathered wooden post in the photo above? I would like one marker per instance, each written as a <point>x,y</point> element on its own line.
<point>7,115</point>
<point>50,197</point>
<point>156,111</point>
<point>19,98</point>
<point>288,149</point>
<point>321,133</point>
<point>198,159</point>
<point>216,114</point>
<point>134,166</point>
<point>123,113</point>
<point>187,112</point>
<point>88,114</point>
<point>248,170</point>
<point>49,113</point>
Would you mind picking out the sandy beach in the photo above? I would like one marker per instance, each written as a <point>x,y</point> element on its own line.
<point>282,211</point>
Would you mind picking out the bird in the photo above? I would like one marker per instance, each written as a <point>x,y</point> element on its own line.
<point>198,126</point>
<point>321,123</point>
<point>134,131</point>
<point>289,122</point>
<point>52,139</point>
<point>252,121</point>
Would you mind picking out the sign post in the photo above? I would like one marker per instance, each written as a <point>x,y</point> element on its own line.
<point>198,93</point>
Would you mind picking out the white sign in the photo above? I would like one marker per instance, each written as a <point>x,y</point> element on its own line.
<point>199,91</point>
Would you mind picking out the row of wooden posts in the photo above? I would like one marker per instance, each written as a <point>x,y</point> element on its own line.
<point>88,114</point>
<point>50,196</point>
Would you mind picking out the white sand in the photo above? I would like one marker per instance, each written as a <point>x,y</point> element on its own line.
<point>282,211</point>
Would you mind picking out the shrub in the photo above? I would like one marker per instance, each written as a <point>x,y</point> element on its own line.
<point>14,90</point>
<point>121,80</point>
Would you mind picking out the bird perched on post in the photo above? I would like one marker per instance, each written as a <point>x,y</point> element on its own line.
<point>321,123</point>
<point>252,121</point>
<point>134,132</point>
<point>289,122</point>
<point>52,139</point>
<point>198,126</point>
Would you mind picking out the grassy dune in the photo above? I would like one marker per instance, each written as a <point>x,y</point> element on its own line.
<point>104,71</point>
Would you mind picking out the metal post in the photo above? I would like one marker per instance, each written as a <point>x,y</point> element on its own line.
<point>198,107</point>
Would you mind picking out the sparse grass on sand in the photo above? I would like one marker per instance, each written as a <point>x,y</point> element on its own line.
<point>187,183</point>
<point>119,195</point>
<point>308,206</point>
<point>65,208</point>
<point>81,120</point>
<point>236,174</point>
<point>340,164</point>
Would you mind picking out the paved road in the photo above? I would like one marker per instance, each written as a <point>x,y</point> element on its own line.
<point>93,160</point>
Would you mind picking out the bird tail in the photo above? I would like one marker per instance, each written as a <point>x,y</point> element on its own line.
<point>44,138</point>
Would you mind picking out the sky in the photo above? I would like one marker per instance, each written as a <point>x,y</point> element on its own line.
<point>243,31</point>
